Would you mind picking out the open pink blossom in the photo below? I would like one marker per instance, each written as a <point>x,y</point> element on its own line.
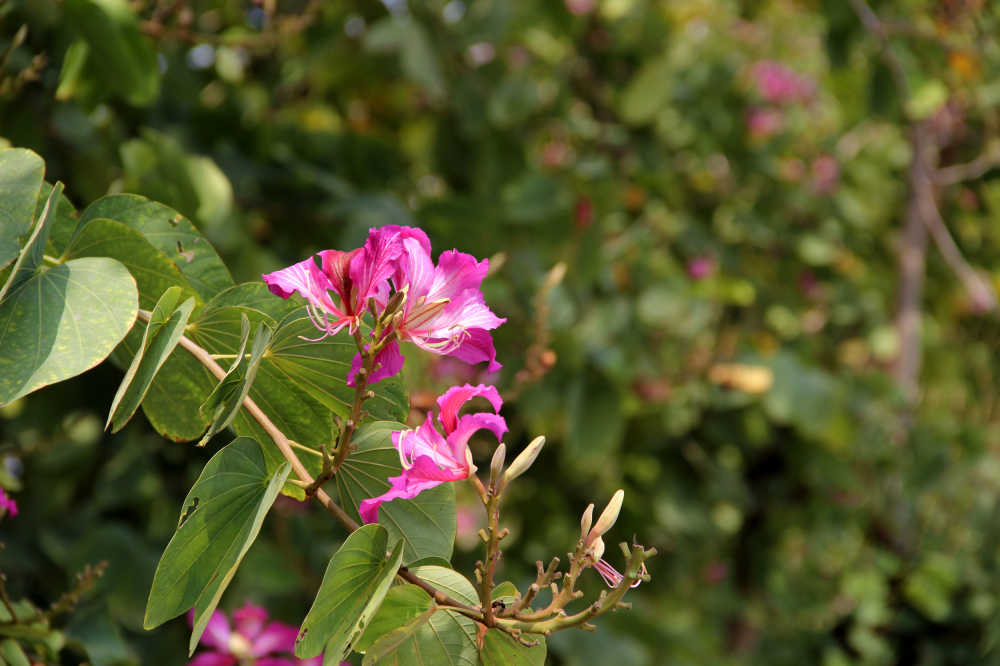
<point>7,503</point>
<point>430,458</point>
<point>353,277</point>
<point>251,640</point>
<point>444,311</point>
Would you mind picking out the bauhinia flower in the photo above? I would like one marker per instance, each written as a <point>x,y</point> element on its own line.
<point>593,544</point>
<point>353,277</point>
<point>251,641</point>
<point>430,458</point>
<point>444,311</point>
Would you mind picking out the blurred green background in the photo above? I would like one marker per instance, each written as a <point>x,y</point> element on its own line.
<point>694,211</point>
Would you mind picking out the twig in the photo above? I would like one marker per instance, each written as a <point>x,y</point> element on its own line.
<point>959,173</point>
<point>285,447</point>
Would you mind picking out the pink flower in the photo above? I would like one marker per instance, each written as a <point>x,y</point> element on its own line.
<point>253,640</point>
<point>429,458</point>
<point>825,174</point>
<point>444,311</point>
<point>764,123</point>
<point>8,503</point>
<point>778,84</point>
<point>353,276</point>
<point>700,268</point>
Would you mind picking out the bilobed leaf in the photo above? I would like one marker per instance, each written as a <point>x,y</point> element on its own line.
<point>227,398</point>
<point>63,321</point>
<point>320,368</point>
<point>425,524</point>
<point>21,173</point>
<point>164,331</point>
<point>500,649</point>
<point>33,250</point>
<point>446,637</point>
<point>354,585</point>
<point>154,271</point>
<point>118,47</point>
<point>219,521</point>
<point>169,232</point>
<point>402,605</point>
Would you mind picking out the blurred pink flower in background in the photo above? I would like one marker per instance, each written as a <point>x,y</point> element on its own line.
<point>7,503</point>
<point>250,641</point>
<point>825,174</point>
<point>700,268</point>
<point>580,7</point>
<point>778,84</point>
<point>763,123</point>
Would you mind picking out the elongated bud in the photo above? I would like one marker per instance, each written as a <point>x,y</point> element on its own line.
<point>524,459</point>
<point>496,464</point>
<point>372,306</point>
<point>586,520</point>
<point>468,461</point>
<point>610,514</point>
<point>395,302</point>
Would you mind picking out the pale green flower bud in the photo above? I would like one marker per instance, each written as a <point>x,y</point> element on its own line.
<point>524,459</point>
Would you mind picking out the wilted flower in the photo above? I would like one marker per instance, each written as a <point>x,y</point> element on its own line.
<point>591,533</point>
<point>251,641</point>
<point>430,458</point>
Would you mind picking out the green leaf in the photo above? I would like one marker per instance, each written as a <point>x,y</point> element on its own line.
<point>164,331</point>
<point>506,592</point>
<point>172,234</point>
<point>63,321</point>
<point>356,580</point>
<point>446,638</point>
<point>117,47</point>
<point>425,524</point>
<point>21,173</point>
<point>226,399</point>
<point>221,517</point>
<point>12,654</point>
<point>33,252</point>
<point>647,92</point>
<point>500,649</point>
<point>154,271</point>
<point>320,368</point>
<point>402,605</point>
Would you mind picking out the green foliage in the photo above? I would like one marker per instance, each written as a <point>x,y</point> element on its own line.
<point>425,524</point>
<point>219,521</point>
<point>163,332</point>
<point>750,410</point>
<point>355,583</point>
<point>21,174</point>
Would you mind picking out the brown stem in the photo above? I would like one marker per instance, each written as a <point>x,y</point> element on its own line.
<point>284,446</point>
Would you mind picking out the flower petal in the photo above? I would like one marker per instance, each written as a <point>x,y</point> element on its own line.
<point>477,346</point>
<point>388,363</point>
<point>452,400</point>
<point>216,631</point>
<point>456,273</point>
<point>336,268</point>
<point>213,659</point>
<point>372,267</point>
<point>415,270</point>
<point>283,661</point>
<point>458,440</point>
<point>8,503</point>
<point>304,277</point>
<point>422,476</point>
<point>249,620</point>
<point>276,637</point>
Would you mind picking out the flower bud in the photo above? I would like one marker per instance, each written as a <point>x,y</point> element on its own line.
<point>586,520</point>
<point>395,302</point>
<point>469,462</point>
<point>496,464</point>
<point>524,459</point>
<point>610,514</point>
